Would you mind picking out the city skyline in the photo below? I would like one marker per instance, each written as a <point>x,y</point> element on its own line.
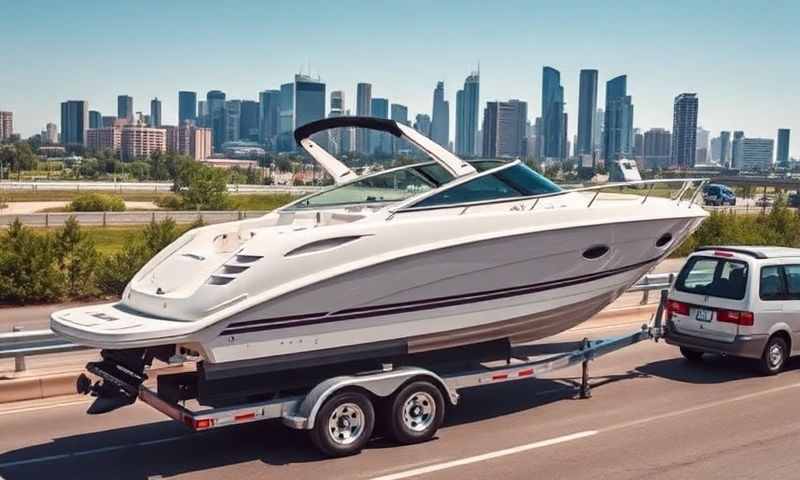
<point>735,93</point>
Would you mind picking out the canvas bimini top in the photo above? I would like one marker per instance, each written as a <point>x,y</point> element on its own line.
<point>342,174</point>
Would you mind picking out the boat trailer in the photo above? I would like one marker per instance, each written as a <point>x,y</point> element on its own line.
<point>340,412</point>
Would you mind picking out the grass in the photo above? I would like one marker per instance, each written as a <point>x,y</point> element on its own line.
<point>260,201</point>
<point>68,196</point>
<point>107,240</point>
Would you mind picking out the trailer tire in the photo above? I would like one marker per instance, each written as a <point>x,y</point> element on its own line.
<point>416,412</point>
<point>344,424</point>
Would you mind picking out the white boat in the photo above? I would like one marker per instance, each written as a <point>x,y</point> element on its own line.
<point>424,257</point>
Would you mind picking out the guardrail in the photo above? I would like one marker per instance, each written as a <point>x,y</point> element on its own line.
<point>129,218</point>
<point>18,344</point>
<point>66,185</point>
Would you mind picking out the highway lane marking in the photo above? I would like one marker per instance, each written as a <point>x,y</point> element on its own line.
<point>554,441</point>
<point>94,451</point>
<point>487,456</point>
<point>43,407</point>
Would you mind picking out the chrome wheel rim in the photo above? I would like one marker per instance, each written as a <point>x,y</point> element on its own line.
<point>419,411</point>
<point>346,423</point>
<point>775,355</point>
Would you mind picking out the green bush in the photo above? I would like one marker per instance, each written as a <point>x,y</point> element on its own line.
<point>28,266</point>
<point>115,271</point>
<point>780,227</point>
<point>97,202</point>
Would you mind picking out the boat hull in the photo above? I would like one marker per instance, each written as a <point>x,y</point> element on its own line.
<point>522,288</point>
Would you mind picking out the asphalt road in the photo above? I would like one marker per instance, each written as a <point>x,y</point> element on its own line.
<point>652,416</point>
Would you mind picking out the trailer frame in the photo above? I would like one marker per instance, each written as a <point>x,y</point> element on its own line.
<point>300,411</point>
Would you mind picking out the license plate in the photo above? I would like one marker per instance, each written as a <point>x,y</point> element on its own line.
<point>703,315</point>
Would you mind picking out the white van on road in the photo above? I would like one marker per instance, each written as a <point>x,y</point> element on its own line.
<point>741,301</point>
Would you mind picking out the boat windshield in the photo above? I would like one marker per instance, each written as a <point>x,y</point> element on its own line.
<point>388,187</point>
<point>515,181</point>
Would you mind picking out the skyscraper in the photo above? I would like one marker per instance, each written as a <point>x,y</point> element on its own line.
<point>736,150</point>
<point>380,143</point>
<point>51,132</point>
<point>363,109</point>
<point>782,159</point>
<point>440,118</point>
<point>233,120</point>
<point>125,107</point>
<point>701,146</point>
<point>399,113</point>
<point>757,154</point>
<point>618,128</point>
<point>187,107</point>
<point>725,148</point>
<point>597,135</point>
<point>422,124</point>
<point>269,102</point>
<point>6,125</point>
<point>215,118</point>
<point>302,102</point>
<point>74,120</point>
<point>467,113</point>
<point>552,113</point>
<point>684,130</point>
<point>504,129</point>
<point>155,112</point>
<point>339,137</point>
<point>587,108</point>
<point>248,125</point>
<point>657,146</point>
<point>95,119</point>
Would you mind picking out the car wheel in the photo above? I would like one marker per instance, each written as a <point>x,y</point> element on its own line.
<point>773,360</point>
<point>693,356</point>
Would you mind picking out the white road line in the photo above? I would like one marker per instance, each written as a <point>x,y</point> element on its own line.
<point>486,456</point>
<point>43,407</point>
<point>94,451</point>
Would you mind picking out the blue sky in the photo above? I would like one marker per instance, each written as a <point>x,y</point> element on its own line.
<point>740,57</point>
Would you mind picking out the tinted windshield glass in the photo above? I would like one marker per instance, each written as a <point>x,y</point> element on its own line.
<point>713,277</point>
<point>515,181</point>
<point>387,187</point>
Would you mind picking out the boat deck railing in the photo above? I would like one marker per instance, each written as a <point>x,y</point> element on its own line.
<point>693,185</point>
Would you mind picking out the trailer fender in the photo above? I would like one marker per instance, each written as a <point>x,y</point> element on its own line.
<point>381,384</point>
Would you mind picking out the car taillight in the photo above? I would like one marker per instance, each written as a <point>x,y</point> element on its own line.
<point>744,319</point>
<point>677,307</point>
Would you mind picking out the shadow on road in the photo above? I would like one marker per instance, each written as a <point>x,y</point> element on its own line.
<point>167,449</point>
<point>713,369</point>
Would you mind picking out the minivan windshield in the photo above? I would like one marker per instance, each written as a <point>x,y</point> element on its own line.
<point>715,277</point>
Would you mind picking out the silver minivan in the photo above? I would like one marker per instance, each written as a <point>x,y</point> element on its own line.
<point>741,301</point>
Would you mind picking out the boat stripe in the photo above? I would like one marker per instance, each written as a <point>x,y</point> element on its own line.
<point>418,305</point>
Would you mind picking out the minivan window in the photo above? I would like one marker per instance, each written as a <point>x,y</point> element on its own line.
<point>772,285</point>
<point>792,273</point>
<point>713,277</point>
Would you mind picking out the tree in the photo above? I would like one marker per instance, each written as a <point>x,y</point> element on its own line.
<point>201,187</point>
<point>77,258</point>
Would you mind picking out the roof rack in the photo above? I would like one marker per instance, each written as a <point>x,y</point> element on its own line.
<point>743,251</point>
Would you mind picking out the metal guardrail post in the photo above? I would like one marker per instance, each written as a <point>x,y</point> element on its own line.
<point>645,292</point>
<point>19,359</point>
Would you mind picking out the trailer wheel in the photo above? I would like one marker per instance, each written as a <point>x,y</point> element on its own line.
<point>344,424</point>
<point>416,413</point>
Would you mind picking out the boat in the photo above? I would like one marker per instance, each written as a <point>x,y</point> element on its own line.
<point>433,256</point>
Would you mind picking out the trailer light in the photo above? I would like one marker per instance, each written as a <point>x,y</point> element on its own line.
<point>677,307</point>
<point>244,417</point>
<point>525,373</point>
<point>500,376</point>
<point>203,423</point>
<point>736,317</point>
